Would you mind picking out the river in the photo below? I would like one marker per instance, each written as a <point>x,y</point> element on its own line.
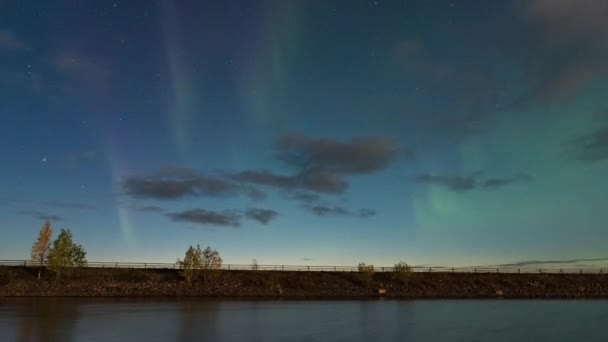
<point>91,319</point>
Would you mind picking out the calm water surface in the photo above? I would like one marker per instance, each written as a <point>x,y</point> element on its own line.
<point>71,319</point>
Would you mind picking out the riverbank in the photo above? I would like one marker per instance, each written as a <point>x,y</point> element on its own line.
<point>100,282</point>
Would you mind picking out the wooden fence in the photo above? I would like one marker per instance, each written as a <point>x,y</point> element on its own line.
<point>249,267</point>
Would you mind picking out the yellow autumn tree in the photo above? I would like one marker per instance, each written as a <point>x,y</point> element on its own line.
<point>42,246</point>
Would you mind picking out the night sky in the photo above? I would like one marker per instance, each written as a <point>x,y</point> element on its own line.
<point>317,132</point>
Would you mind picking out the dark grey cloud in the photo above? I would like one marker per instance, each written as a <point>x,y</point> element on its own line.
<point>452,182</point>
<point>547,262</point>
<point>594,146</point>
<point>364,212</point>
<point>40,215</point>
<point>564,46</point>
<point>142,208</point>
<point>495,183</point>
<point>305,197</point>
<point>309,180</point>
<point>10,42</point>
<point>176,183</point>
<point>325,210</point>
<point>358,156</point>
<point>459,183</point>
<point>207,217</point>
<point>263,216</point>
<point>321,165</point>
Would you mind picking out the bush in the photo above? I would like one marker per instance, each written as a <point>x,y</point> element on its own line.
<point>402,267</point>
<point>363,268</point>
<point>366,274</point>
<point>402,271</point>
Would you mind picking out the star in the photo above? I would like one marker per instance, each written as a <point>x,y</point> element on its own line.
<point>43,160</point>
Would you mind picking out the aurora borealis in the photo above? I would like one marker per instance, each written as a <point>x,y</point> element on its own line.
<point>293,132</point>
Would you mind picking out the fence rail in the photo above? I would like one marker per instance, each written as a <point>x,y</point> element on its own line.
<point>419,269</point>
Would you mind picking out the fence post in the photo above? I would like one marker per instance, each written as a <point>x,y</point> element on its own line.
<point>334,268</point>
<point>581,271</point>
<point>497,270</point>
<point>24,263</point>
<point>145,265</point>
<point>540,270</point>
<point>282,268</point>
<point>430,269</point>
<point>601,271</point>
<point>475,269</point>
<point>308,268</point>
<point>518,270</point>
<point>382,269</point>
<point>452,269</point>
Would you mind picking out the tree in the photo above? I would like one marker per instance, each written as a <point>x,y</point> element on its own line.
<point>192,263</point>
<point>65,254</point>
<point>42,246</point>
<point>211,262</point>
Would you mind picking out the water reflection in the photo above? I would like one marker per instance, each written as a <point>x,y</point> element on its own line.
<point>46,319</point>
<point>198,320</point>
<point>84,319</point>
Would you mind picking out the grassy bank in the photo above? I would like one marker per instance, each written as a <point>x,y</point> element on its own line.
<point>100,282</point>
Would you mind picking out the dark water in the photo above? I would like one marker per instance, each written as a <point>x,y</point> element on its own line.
<point>65,319</point>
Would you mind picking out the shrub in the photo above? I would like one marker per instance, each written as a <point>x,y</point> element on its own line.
<point>402,267</point>
<point>363,268</point>
<point>402,271</point>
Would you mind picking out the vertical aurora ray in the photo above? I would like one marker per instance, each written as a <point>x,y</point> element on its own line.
<point>182,92</point>
<point>117,171</point>
<point>264,80</point>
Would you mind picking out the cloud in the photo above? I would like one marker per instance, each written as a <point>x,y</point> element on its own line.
<point>207,217</point>
<point>324,210</point>
<point>263,216</point>
<point>321,165</point>
<point>364,212</point>
<point>176,183</point>
<point>459,183</point>
<point>541,262</point>
<point>40,215</point>
<point>566,46</point>
<point>142,208</point>
<point>495,183</point>
<point>305,197</point>
<point>10,42</point>
<point>358,156</point>
<point>451,182</point>
<point>594,146</point>
<point>313,180</point>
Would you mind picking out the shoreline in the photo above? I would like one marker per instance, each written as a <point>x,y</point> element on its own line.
<point>19,281</point>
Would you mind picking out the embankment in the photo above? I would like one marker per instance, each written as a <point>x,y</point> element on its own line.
<point>99,282</point>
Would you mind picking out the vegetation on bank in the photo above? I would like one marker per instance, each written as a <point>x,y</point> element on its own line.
<point>64,258</point>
